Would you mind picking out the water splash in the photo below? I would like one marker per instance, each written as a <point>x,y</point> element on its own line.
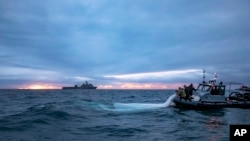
<point>132,107</point>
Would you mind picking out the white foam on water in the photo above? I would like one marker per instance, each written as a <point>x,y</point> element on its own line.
<point>135,107</point>
<point>131,107</point>
<point>169,100</point>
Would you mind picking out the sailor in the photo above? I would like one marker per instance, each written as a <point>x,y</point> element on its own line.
<point>186,89</point>
<point>178,92</point>
<point>191,89</point>
<point>221,83</point>
<point>189,92</point>
<point>214,90</point>
<point>182,93</point>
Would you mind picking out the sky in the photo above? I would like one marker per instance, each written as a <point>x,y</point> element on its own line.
<point>123,44</point>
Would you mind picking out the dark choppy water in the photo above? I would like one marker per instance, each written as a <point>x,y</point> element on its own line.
<point>78,115</point>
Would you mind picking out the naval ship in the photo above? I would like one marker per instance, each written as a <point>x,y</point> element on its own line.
<point>85,85</point>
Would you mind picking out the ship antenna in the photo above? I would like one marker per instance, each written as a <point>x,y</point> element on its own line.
<point>204,75</point>
<point>215,77</point>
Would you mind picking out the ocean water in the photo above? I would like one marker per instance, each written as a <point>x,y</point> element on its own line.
<point>109,115</point>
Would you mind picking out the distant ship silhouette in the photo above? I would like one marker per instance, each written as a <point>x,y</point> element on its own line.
<point>85,85</point>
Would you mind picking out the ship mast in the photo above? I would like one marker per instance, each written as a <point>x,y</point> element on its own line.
<point>204,75</point>
<point>215,77</point>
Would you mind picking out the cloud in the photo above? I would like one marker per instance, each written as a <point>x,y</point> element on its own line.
<point>113,41</point>
<point>157,75</point>
<point>135,85</point>
<point>27,73</point>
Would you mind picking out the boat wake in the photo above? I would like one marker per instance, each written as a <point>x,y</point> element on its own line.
<point>131,107</point>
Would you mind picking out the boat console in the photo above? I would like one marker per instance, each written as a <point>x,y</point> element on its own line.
<point>211,91</point>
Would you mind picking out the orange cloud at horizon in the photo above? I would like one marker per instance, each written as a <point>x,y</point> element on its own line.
<point>39,86</point>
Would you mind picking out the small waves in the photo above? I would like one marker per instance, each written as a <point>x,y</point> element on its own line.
<point>36,115</point>
<point>108,115</point>
<point>114,130</point>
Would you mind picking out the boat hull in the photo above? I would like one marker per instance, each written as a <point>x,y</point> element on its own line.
<point>210,104</point>
<point>77,88</point>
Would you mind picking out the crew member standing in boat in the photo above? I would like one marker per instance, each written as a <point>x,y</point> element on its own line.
<point>186,89</point>
<point>191,89</point>
<point>189,92</point>
<point>181,93</point>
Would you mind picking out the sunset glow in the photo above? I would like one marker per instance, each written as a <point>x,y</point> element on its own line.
<point>125,85</point>
<point>39,86</point>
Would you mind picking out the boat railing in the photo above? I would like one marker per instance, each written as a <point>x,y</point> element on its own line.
<point>233,84</point>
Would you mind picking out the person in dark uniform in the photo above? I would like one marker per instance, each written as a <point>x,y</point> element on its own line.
<point>191,89</point>
<point>189,92</point>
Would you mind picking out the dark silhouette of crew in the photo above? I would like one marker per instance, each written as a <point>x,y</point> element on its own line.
<point>189,91</point>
